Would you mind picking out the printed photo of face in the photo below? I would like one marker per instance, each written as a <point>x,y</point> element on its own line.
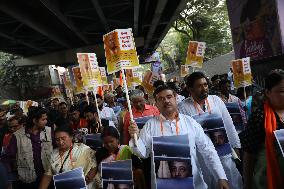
<point>238,67</point>
<point>122,186</point>
<point>193,47</point>
<point>110,44</point>
<point>218,138</point>
<point>180,169</point>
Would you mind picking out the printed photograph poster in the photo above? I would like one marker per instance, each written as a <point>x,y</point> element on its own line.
<point>73,179</point>
<point>195,54</point>
<point>129,77</point>
<point>56,92</point>
<point>157,68</point>
<point>213,127</point>
<point>172,162</point>
<point>117,175</point>
<point>85,68</point>
<point>279,135</point>
<point>94,141</point>
<point>280,7</point>
<point>184,70</point>
<point>79,86</point>
<point>25,105</point>
<point>152,58</point>
<point>103,75</point>
<point>137,77</point>
<point>235,113</point>
<point>242,72</point>
<point>120,51</point>
<point>140,121</point>
<point>255,27</point>
<point>67,80</point>
<point>147,80</point>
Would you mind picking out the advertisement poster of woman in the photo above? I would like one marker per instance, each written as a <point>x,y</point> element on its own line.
<point>255,28</point>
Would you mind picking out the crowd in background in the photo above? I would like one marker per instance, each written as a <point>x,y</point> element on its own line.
<point>48,139</point>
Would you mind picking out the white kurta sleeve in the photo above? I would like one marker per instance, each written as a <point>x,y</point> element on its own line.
<point>231,131</point>
<point>206,148</point>
<point>113,117</point>
<point>144,142</point>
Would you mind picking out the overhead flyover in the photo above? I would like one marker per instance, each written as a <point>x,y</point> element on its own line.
<point>46,32</point>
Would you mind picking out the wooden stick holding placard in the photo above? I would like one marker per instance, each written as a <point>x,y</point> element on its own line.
<point>128,103</point>
<point>87,97</point>
<point>245,97</point>
<point>97,106</point>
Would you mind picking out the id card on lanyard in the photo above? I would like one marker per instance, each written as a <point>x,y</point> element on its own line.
<point>198,108</point>
<point>162,127</point>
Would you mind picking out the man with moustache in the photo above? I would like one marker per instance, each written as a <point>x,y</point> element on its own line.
<point>170,123</point>
<point>200,103</point>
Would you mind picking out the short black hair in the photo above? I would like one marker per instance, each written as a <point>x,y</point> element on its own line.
<point>99,96</point>
<point>21,120</point>
<point>162,88</point>
<point>14,110</point>
<point>174,86</point>
<point>74,108</point>
<point>215,77</point>
<point>34,113</point>
<point>193,77</point>
<point>55,99</point>
<point>90,109</point>
<point>64,128</point>
<point>110,131</point>
<point>157,83</point>
<point>62,103</point>
<point>223,82</point>
<point>274,78</point>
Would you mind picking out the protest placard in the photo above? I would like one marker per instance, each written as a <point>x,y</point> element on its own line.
<point>242,72</point>
<point>79,87</point>
<point>279,135</point>
<point>120,51</point>
<point>72,179</point>
<point>172,162</point>
<point>116,174</point>
<point>213,126</point>
<point>184,70</point>
<point>235,113</point>
<point>195,54</point>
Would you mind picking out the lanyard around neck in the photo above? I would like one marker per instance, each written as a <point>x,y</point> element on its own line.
<point>70,157</point>
<point>198,109</point>
<point>162,127</point>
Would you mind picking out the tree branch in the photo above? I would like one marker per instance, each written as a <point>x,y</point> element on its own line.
<point>180,30</point>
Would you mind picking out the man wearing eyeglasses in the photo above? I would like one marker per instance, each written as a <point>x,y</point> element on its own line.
<point>31,147</point>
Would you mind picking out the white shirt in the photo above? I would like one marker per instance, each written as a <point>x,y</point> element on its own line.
<point>217,106</point>
<point>108,113</point>
<point>231,99</point>
<point>179,98</point>
<point>198,140</point>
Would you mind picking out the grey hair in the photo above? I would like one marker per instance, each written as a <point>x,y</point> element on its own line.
<point>109,95</point>
<point>136,93</point>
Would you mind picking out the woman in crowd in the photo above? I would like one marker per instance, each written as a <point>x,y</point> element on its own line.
<point>69,156</point>
<point>263,163</point>
<point>113,151</point>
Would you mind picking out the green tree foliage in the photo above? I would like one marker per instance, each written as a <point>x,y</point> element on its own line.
<point>201,20</point>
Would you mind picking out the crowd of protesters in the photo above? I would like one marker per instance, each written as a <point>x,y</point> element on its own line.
<point>47,140</point>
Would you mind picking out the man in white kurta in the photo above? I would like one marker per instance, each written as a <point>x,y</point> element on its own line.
<point>171,123</point>
<point>199,103</point>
